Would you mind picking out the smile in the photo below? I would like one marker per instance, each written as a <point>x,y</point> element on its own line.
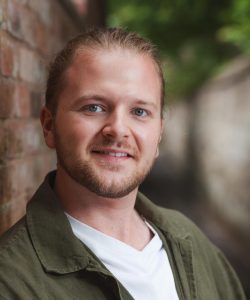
<point>112,153</point>
<point>116,154</point>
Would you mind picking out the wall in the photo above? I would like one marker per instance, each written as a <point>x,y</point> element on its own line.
<point>203,168</point>
<point>31,32</point>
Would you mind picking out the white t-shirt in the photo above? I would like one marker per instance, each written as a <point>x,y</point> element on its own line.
<point>146,274</point>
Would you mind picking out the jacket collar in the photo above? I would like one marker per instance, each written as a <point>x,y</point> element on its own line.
<point>169,221</point>
<point>177,240</point>
<point>57,248</point>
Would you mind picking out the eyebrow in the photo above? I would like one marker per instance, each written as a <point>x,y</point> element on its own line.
<point>91,96</point>
<point>142,102</point>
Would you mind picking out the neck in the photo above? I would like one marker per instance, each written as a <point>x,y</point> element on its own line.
<point>114,217</point>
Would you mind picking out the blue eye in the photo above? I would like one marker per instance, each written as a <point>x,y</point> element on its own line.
<point>94,108</point>
<point>140,112</point>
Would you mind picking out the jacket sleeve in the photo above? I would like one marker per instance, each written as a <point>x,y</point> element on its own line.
<point>229,285</point>
<point>213,276</point>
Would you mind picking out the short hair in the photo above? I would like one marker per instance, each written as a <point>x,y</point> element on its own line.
<point>97,38</point>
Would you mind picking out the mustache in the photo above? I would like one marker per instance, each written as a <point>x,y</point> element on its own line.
<point>123,145</point>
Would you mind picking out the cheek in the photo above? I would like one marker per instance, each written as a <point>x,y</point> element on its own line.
<point>75,130</point>
<point>148,137</point>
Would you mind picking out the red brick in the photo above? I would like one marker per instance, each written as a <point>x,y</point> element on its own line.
<point>11,212</point>
<point>36,102</point>
<point>9,56</point>
<point>15,99</point>
<point>40,37</point>
<point>2,176</point>
<point>2,144</point>
<point>19,179</point>
<point>6,56</point>
<point>23,176</point>
<point>28,22</point>
<point>26,64</point>
<point>22,107</point>
<point>21,22</point>
<point>31,30</point>
<point>3,14</point>
<point>45,162</point>
<point>14,17</point>
<point>39,165</point>
<point>60,32</point>
<point>23,2</point>
<point>16,179</point>
<point>23,137</point>
<point>43,10</point>
<point>31,66</point>
<point>7,88</point>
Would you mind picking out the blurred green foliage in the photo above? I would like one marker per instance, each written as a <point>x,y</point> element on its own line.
<point>195,37</point>
<point>236,27</point>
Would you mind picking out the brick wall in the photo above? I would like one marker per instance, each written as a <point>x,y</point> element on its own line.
<point>31,31</point>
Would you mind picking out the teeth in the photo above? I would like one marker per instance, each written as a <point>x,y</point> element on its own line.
<point>115,154</point>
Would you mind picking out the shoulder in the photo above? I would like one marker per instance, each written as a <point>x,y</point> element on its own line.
<point>181,228</point>
<point>178,225</point>
<point>17,257</point>
<point>15,247</point>
<point>195,251</point>
<point>171,221</point>
<point>209,264</point>
<point>13,239</point>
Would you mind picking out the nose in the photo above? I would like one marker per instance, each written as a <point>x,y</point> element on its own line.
<point>116,126</point>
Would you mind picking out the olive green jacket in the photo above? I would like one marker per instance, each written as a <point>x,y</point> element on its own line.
<point>40,258</point>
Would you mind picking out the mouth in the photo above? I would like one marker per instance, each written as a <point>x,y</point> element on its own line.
<point>113,153</point>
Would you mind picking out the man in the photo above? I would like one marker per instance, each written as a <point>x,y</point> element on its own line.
<point>88,233</point>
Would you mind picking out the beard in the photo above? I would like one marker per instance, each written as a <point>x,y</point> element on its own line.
<point>86,173</point>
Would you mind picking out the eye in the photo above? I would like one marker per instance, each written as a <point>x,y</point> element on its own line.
<point>94,108</point>
<point>140,112</point>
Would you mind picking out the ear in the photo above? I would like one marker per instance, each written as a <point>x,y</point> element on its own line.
<point>46,119</point>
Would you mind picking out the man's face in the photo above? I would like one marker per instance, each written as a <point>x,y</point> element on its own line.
<point>108,121</point>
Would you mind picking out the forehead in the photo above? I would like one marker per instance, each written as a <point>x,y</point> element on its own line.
<point>121,71</point>
<point>108,54</point>
<point>116,57</point>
